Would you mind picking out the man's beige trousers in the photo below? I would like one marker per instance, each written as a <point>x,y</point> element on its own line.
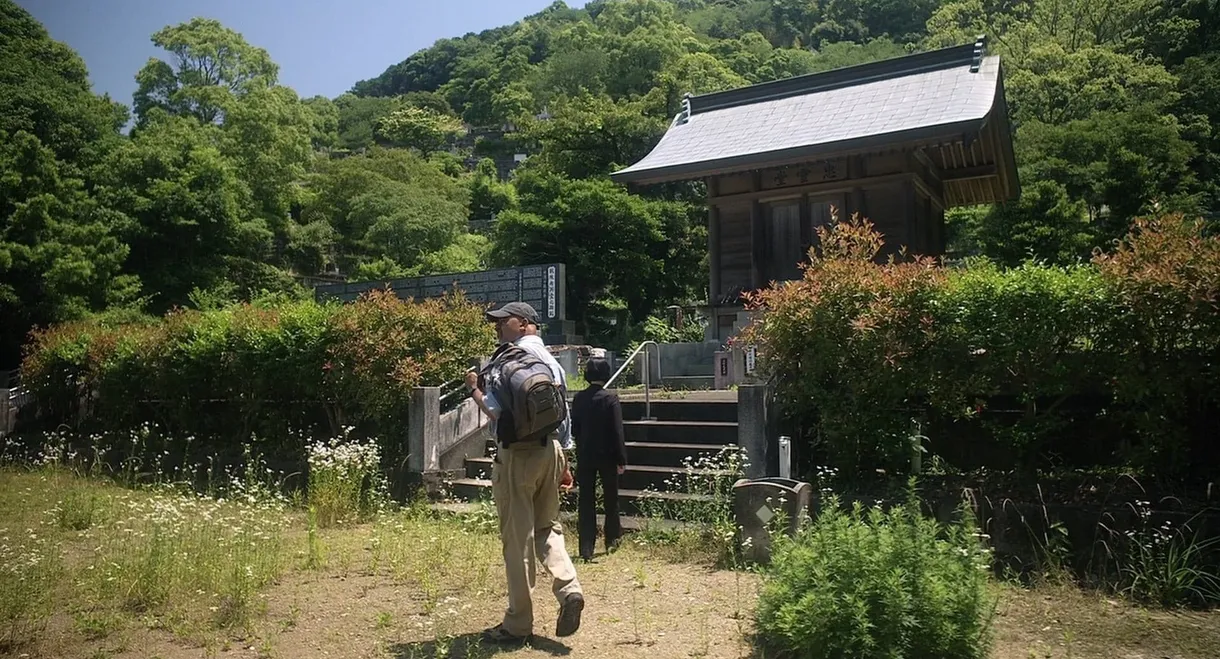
<point>525,483</point>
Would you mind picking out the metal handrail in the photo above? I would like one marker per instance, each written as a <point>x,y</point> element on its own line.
<point>644,376</point>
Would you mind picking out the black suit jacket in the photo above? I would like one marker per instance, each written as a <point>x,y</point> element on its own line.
<point>597,425</point>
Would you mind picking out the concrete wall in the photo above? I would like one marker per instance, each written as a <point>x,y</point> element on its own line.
<point>462,432</point>
<point>683,360</point>
<point>438,444</point>
<point>8,416</point>
<point>568,360</point>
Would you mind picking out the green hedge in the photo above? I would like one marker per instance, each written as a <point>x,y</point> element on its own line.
<point>865,353</point>
<point>266,377</point>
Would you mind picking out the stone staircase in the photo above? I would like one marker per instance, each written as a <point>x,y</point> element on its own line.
<point>686,425</point>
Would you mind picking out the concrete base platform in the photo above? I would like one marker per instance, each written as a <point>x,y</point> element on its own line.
<point>692,396</point>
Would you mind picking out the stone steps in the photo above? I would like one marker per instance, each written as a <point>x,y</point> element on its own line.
<point>635,477</point>
<point>473,489</point>
<point>687,431</point>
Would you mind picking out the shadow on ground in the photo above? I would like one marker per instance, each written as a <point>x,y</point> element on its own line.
<point>472,646</point>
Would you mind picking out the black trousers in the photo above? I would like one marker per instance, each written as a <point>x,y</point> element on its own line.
<point>586,479</point>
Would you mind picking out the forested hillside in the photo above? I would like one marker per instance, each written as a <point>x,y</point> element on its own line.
<point>229,185</point>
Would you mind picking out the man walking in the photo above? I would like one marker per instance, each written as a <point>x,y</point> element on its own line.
<point>526,478</point>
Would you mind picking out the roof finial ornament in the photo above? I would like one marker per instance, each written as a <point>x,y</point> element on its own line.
<point>980,49</point>
<point>684,115</point>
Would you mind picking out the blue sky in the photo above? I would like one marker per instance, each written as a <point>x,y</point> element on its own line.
<point>322,47</point>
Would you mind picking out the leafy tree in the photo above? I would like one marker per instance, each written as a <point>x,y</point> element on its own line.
<point>716,21</point>
<point>1055,85</point>
<point>1199,110</point>
<point>786,63</point>
<point>405,225</point>
<point>1174,31</point>
<point>642,38</point>
<point>60,247</point>
<point>627,16</point>
<point>845,53</point>
<point>187,201</point>
<point>419,128</point>
<point>267,136</point>
<point>745,54</point>
<point>861,20</point>
<point>1045,224</point>
<point>571,72</point>
<point>792,20</point>
<point>488,90</point>
<point>213,65</point>
<point>381,269</point>
<point>219,79</point>
<point>425,71</point>
<point>358,117</point>
<point>592,135</point>
<point>1018,27</point>
<point>488,195</point>
<point>324,121</point>
<point>427,100</point>
<point>469,252</point>
<point>313,248</point>
<point>378,203</point>
<point>615,244</point>
<point>1120,164</point>
<point>696,73</point>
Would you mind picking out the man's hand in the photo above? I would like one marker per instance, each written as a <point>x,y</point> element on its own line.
<point>565,481</point>
<point>472,379</point>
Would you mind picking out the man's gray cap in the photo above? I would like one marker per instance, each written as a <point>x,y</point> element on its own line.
<point>518,309</point>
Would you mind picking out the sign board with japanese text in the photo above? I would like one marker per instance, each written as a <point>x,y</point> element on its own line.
<point>540,286</point>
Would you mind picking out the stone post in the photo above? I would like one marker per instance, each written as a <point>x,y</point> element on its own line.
<point>752,427</point>
<point>423,431</point>
<point>722,377</point>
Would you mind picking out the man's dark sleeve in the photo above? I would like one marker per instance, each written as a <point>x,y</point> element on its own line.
<point>616,421</point>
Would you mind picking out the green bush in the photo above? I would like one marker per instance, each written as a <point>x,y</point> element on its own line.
<point>869,583</point>
<point>251,379</point>
<point>858,349</point>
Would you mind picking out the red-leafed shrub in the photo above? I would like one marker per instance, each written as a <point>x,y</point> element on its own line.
<point>864,354</point>
<point>843,342</point>
<point>219,383</point>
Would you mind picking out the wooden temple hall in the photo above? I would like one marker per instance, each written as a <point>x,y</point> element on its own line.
<point>897,141</point>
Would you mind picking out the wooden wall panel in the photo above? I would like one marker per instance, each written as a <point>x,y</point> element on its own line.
<point>885,207</point>
<point>734,183</point>
<point>880,164</point>
<point>735,246</point>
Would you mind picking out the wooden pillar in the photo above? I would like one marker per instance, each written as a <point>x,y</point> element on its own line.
<point>909,199</point>
<point>806,227</point>
<point>713,244</point>
<point>855,200</point>
<point>713,254</point>
<point>758,238</point>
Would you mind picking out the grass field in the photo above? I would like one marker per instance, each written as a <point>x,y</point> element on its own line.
<point>90,569</point>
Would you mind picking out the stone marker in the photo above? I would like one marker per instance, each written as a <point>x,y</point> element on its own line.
<point>757,503</point>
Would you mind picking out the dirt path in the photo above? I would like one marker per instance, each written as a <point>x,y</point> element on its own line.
<point>638,606</point>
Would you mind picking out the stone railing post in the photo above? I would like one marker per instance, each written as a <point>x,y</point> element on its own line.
<point>423,431</point>
<point>752,427</point>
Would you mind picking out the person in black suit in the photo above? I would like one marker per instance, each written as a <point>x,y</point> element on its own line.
<point>597,425</point>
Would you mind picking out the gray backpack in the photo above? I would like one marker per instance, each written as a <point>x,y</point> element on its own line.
<point>532,405</point>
